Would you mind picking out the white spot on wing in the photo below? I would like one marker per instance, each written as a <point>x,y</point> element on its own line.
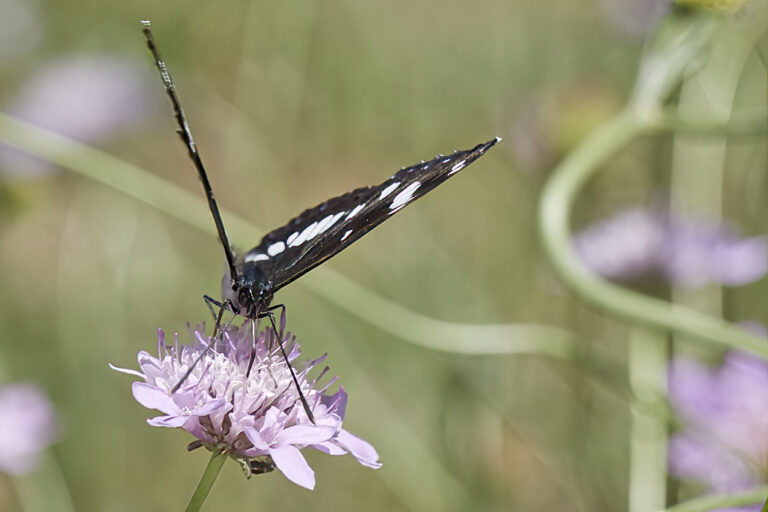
<point>255,257</point>
<point>291,238</point>
<point>304,235</point>
<point>276,248</point>
<point>315,230</point>
<point>388,190</point>
<point>355,211</point>
<point>456,168</point>
<point>349,232</point>
<point>334,220</point>
<point>405,195</point>
<point>324,224</point>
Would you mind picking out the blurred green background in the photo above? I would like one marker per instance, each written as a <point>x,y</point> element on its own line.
<point>292,103</point>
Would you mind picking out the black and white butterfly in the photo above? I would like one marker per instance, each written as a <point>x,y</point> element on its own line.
<point>318,233</point>
<point>315,235</point>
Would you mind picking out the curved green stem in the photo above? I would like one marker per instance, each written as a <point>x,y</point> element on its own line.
<point>557,201</point>
<point>203,488</point>
<point>718,501</point>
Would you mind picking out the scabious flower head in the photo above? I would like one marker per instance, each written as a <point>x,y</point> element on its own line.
<point>26,427</point>
<point>724,443</point>
<point>684,251</point>
<point>240,399</point>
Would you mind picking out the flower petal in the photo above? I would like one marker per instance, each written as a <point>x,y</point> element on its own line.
<point>154,398</point>
<point>362,450</point>
<point>291,462</point>
<point>208,408</point>
<point>254,436</point>
<point>330,448</point>
<point>305,434</point>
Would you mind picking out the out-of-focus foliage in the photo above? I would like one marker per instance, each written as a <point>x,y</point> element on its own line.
<point>292,103</point>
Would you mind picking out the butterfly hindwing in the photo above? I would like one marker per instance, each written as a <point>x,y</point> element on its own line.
<point>323,231</point>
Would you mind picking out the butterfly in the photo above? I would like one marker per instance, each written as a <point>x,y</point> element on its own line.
<point>318,233</point>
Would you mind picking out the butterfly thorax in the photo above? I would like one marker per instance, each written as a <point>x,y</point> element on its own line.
<point>251,293</point>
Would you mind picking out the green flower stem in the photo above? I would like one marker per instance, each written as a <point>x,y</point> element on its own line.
<point>210,474</point>
<point>480,339</point>
<point>557,201</point>
<point>718,501</point>
<point>648,437</point>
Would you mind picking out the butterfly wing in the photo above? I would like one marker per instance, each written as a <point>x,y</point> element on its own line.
<point>321,232</point>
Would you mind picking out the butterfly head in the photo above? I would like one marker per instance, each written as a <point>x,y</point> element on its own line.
<point>250,293</point>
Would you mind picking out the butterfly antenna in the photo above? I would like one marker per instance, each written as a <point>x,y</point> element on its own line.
<point>186,137</point>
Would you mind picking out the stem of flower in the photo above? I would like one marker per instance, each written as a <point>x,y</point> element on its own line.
<point>648,440</point>
<point>210,474</point>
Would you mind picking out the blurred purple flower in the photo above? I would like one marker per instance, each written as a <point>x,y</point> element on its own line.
<point>725,413</point>
<point>88,98</point>
<point>240,398</point>
<point>690,253</point>
<point>26,427</point>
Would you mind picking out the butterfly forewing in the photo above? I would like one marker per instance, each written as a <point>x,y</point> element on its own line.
<point>321,232</point>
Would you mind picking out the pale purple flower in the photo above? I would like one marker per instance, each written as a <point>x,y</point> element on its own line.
<point>240,398</point>
<point>687,252</point>
<point>26,427</point>
<point>85,97</point>
<point>724,411</point>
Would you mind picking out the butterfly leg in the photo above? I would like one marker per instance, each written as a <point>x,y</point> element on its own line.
<point>279,334</point>
<point>211,302</point>
<point>226,305</point>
